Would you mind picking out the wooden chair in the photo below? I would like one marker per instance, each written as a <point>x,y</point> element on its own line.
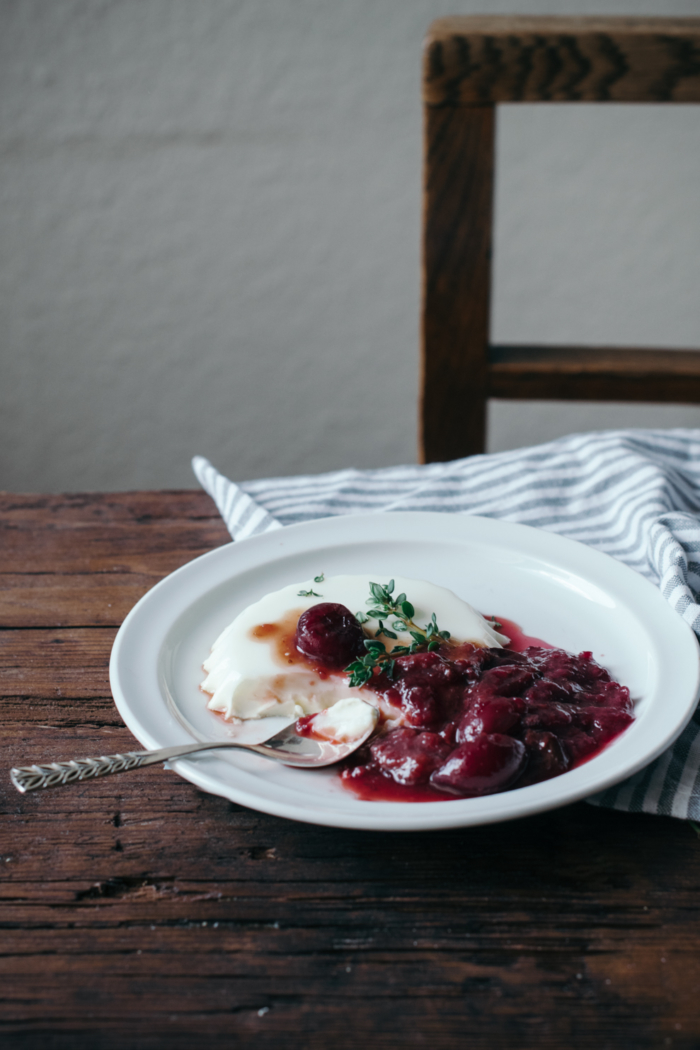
<point>471,64</point>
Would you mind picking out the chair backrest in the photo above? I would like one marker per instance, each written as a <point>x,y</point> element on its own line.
<point>470,65</point>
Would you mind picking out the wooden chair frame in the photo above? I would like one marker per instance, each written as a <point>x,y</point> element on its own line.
<point>470,65</point>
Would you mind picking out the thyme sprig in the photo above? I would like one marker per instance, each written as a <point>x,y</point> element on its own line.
<point>312,593</point>
<point>384,606</point>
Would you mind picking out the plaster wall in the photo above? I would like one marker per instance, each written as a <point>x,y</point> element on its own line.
<point>209,236</point>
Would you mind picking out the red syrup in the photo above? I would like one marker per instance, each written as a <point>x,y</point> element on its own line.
<point>599,750</point>
<point>476,721</point>
<point>481,721</point>
<point>305,726</point>
<point>371,785</point>
<point>519,642</point>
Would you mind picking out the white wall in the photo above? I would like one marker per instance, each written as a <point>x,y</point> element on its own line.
<point>209,236</point>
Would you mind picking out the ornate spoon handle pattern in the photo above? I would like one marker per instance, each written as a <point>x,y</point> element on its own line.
<point>285,747</point>
<point>56,774</point>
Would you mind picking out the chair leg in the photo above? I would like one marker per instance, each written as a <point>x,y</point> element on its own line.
<point>458,207</point>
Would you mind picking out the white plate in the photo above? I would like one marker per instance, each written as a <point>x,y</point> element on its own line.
<point>554,588</point>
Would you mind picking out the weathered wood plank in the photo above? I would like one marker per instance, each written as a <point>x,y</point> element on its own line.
<point>420,975</point>
<point>488,59</point>
<point>342,911</point>
<point>484,990</point>
<point>70,599</point>
<point>24,714</point>
<point>115,533</point>
<point>387,1019</point>
<point>568,856</point>
<point>215,932</point>
<point>454,924</point>
<point>123,549</point>
<point>67,663</point>
<point>49,511</point>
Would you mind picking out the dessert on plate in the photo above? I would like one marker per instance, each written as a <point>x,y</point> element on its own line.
<point>468,705</point>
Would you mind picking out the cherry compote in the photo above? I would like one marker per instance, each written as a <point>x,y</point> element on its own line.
<point>474,720</point>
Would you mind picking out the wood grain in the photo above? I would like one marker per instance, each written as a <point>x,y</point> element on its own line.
<point>137,913</point>
<point>480,60</point>
<point>30,666</point>
<point>70,599</point>
<point>145,535</point>
<point>70,561</point>
<point>594,373</point>
<point>458,204</point>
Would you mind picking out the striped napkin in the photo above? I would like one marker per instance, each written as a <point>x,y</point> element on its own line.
<point>634,494</point>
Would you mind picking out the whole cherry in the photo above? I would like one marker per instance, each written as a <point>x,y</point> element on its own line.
<point>329,634</point>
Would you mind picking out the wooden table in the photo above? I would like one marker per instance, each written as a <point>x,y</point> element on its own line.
<point>138,912</point>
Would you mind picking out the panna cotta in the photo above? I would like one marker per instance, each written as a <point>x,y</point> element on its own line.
<point>255,669</point>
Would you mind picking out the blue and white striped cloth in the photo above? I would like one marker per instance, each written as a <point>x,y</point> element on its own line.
<point>634,494</point>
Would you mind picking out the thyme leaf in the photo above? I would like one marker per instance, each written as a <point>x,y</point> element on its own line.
<point>384,606</point>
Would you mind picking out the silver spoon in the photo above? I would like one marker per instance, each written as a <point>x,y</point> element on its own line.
<point>285,747</point>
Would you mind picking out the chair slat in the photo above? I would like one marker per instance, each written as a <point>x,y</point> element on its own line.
<point>544,59</point>
<point>594,373</point>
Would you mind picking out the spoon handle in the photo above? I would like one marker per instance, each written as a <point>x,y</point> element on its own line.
<point>58,774</point>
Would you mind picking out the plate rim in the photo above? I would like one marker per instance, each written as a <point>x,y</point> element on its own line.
<point>423,816</point>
